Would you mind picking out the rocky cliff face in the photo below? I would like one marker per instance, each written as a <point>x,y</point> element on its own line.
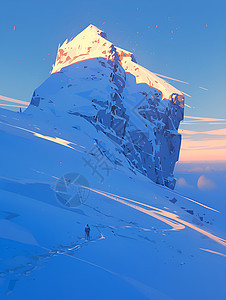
<point>140,112</point>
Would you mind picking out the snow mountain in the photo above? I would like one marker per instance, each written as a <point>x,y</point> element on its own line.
<point>138,111</point>
<point>98,135</point>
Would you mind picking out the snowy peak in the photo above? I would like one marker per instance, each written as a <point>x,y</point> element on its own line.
<point>91,43</point>
<point>92,30</point>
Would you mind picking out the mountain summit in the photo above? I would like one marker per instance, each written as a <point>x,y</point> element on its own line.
<point>92,43</point>
<point>138,112</point>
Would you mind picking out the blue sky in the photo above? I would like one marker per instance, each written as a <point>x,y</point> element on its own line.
<point>180,39</point>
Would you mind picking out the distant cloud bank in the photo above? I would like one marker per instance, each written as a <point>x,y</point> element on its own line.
<point>205,183</point>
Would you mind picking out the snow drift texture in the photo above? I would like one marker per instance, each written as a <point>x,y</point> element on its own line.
<point>140,112</point>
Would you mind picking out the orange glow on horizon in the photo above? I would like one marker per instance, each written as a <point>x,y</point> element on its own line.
<point>203,150</point>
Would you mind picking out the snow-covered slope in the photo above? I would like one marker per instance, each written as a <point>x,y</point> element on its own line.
<point>138,111</point>
<point>148,242</point>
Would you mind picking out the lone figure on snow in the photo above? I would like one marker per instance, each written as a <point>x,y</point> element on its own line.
<point>87,231</point>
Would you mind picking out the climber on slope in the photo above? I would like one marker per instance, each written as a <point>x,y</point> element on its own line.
<point>87,232</point>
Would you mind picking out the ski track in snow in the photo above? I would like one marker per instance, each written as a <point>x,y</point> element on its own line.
<point>25,269</point>
<point>69,251</point>
<point>169,218</point>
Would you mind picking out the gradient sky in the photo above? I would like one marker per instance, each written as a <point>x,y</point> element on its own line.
<point>180,39</point>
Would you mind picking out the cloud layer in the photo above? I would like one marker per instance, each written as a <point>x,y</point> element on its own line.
<point>205,183</point>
